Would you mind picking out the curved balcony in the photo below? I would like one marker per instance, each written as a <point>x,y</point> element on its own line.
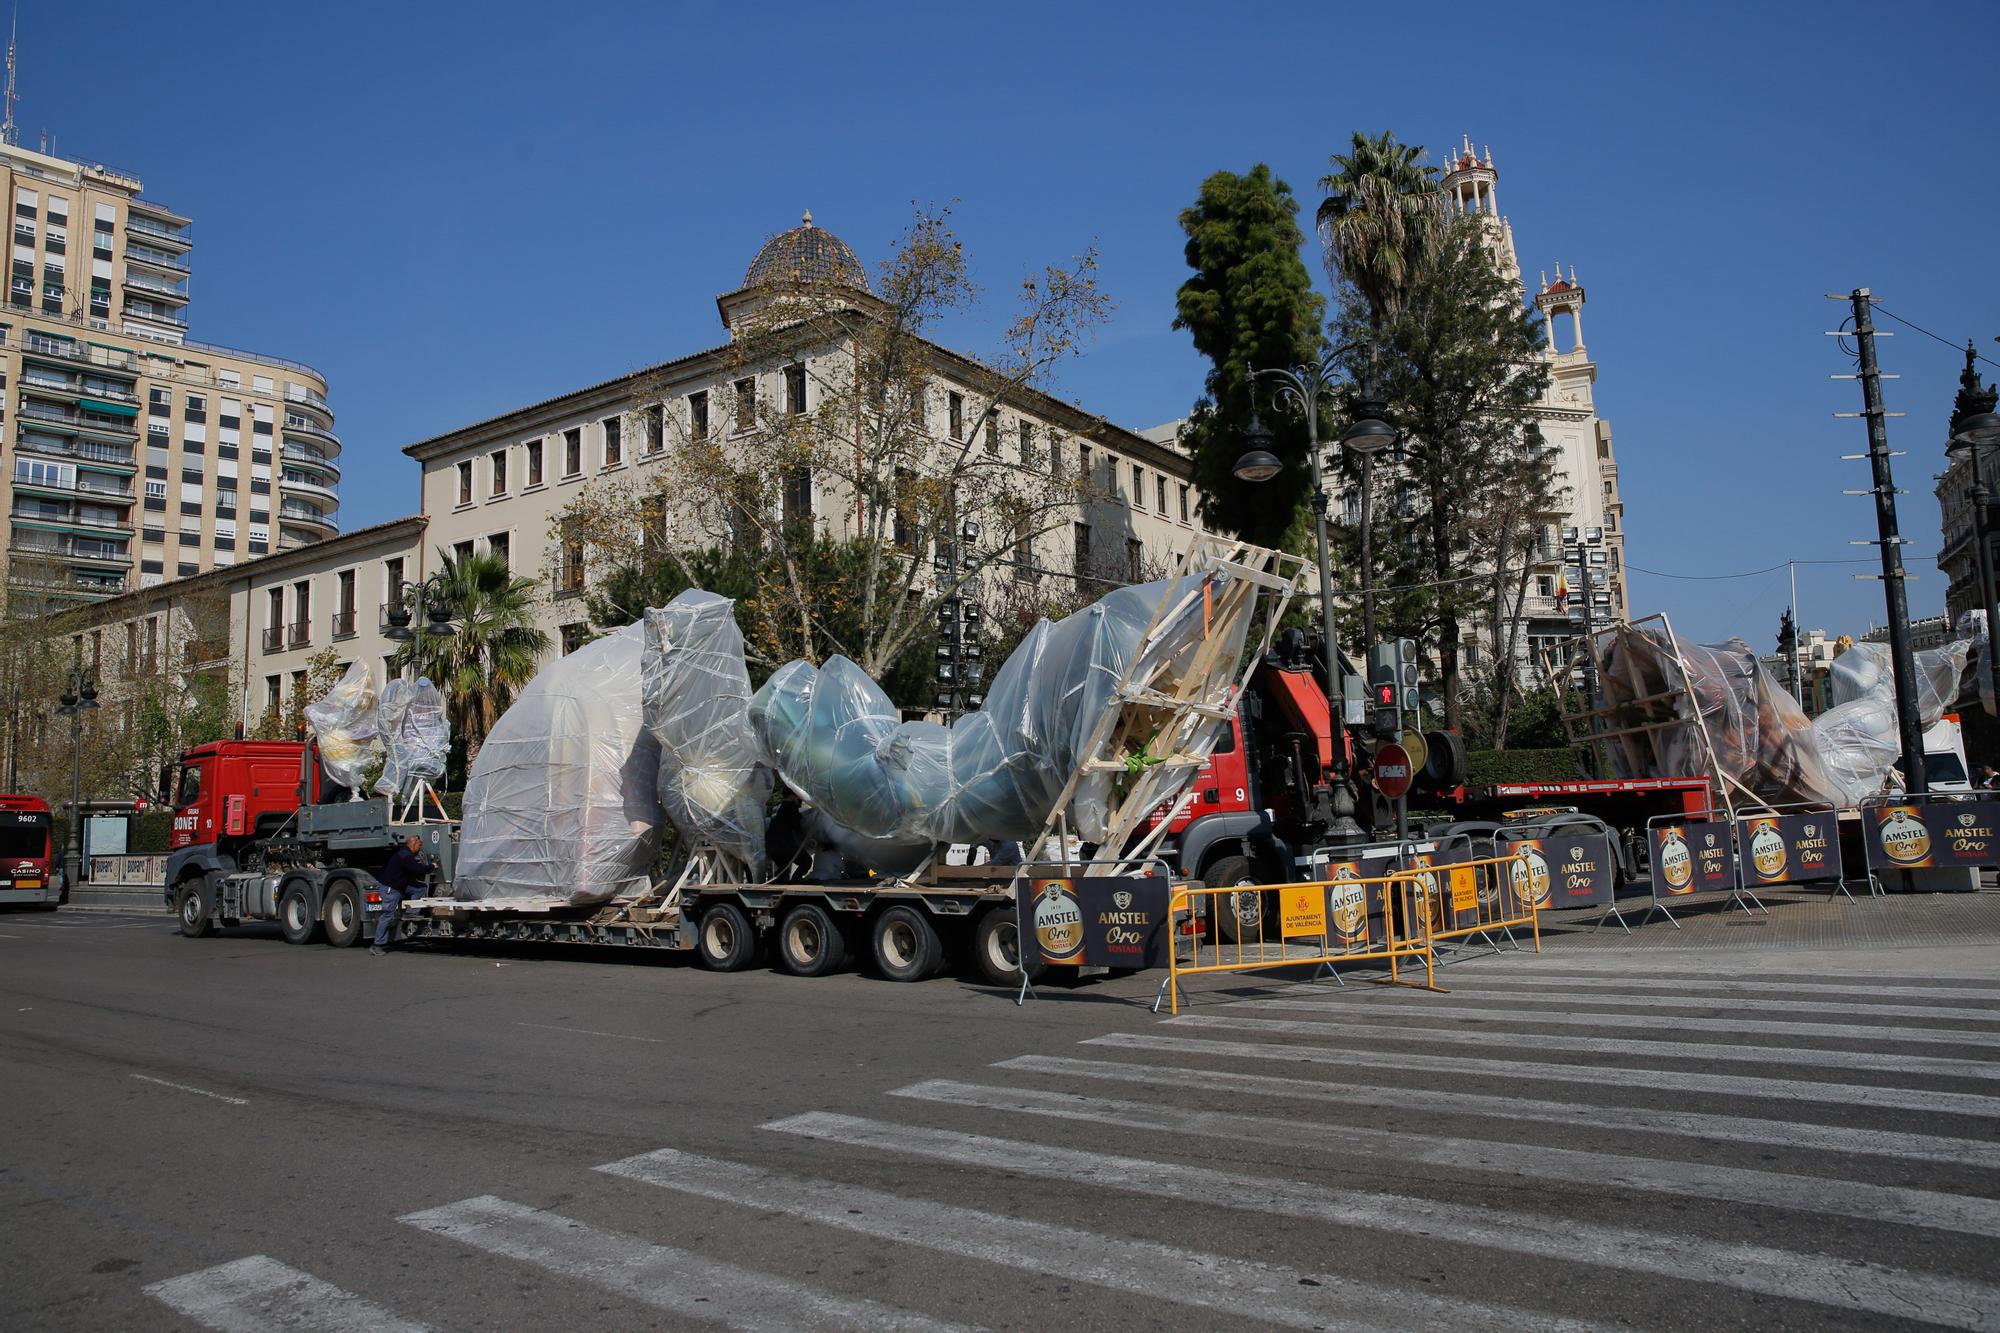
<point>324,440</point>
<point>310,459</point>
<point>305,488</point>
<point>307,518</point>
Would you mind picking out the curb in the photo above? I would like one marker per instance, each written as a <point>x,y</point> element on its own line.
<point>116,910</point>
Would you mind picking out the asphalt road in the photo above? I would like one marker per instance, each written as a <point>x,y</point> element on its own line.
<point>234,1133</point>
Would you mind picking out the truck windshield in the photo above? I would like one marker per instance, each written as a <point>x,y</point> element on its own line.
<point>1941,766</point>
<point>190,788</point>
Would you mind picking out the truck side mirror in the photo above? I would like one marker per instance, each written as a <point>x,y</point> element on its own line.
<point>167,785</point>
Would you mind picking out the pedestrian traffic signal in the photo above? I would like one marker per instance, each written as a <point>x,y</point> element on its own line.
<point>1385,718</point>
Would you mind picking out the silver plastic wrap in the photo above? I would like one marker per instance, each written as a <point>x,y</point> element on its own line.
<point>834,737</point>
<point>1859,736</point>
<point>1859,745</point>
<point>1866,671</point>
<point>561,799</point>
<point>416,737</point>
<point>695,689</point>
<point>344,724</point>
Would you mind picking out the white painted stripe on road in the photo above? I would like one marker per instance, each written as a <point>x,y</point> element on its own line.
<point>1802,986</point>
<point>1791,1275</point>
<point>684,1284</point>
<point>13,937</point>
<point>259,1293</point>
<point>1243,1289</point>
<point>1514,1071</point>
<point>1980,1153</point>
<point>199,1092</point>
<point>589,1032</point>
<point>1487,1018</point>
<point>1730,1184</point>
<point>1591,1001</point>
<point>1726,1052</point>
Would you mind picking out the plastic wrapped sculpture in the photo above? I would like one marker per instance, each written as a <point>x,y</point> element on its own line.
<point>561,801</point>
<point>415,736</point>
<point>695,690</point>
<point>1858,736</point>
<point>344,724</point>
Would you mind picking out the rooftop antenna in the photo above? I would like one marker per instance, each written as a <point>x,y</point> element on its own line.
<point>10,133</point>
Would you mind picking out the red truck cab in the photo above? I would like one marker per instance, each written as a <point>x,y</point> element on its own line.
<point>235,789</point>
<point>26,856</point>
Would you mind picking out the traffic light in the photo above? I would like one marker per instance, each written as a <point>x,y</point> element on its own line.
<point>1385,714</point>
<point>1406,674</point>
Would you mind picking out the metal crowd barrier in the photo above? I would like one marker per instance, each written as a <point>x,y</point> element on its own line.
<point>1937,831</point>
<point>1478,897</point>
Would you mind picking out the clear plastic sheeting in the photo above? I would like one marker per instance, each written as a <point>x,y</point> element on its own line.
<point>1860,738</point>
<point>833,735</point>
<point>416,737</point>
<point>344,724</point>
<point>1867,671</point>
<point>1859,746</point>
<point>695,690</point>
<point>561,799</point>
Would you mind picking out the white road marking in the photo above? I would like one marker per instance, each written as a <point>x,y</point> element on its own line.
<point>1725,1052</point>
<point>681,1283</point>
<point>1818,1279</point>
<point>1485,1018</point>
<point>1797,985</point>
<point>590,1032</point>
<point>1589,1002</point>
<point>199,1092</point>
<point>259,1293</point>
<point>1768,1189</point>
<point>1684,1124</point>
<point>13,937</point>
<point>1514,1071</point>
<point>1243,1289</point>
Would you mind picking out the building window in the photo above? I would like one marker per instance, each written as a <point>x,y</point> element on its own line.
<point>614,441</point>
<point>499,472</point>
<point>1080,549</point>
<point>993,433</point>
<point>1184,504</point>
<point>1027,429</point>
<point>746,403</point>
<point>500,546</point>
<point>698,416</point>
<point>273,693</point>
<point>919,405</point>
<point>1024,550</point>
<point>574,636</point>
<point>656,428</point>
<point>1545,585</point>
<point>461,551</point>
<point>795,390</point>
<point>954,412</point>
<point>343,611</point>
<point>569,575</point>
<point>903,521</point>
<point>534,462</point>
<point>1160,483</point>
<point>1138,487</point>
<point>465,482</point>
<point>1135,559</point>
<point>798,495</point>
<point>301,630</point>
<point>573,452</point>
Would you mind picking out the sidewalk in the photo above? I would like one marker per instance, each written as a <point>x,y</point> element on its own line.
<point>1797,922</point>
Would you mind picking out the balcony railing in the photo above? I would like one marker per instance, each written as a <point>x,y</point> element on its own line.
<point>75,549</point>
<point>158,314</point>
<point>299,394</point>
<point>147,255</point>
<point>311,457</point>
<point>274,638</point>
<point>78,487</point>
<point>343,624</point>
<point>33,411</point>
<point>88,353</point>
<point>135,222</point>
<point>71,520</point>
<point>167,289</point>
<point>90,449</point>
<point>300,633</point>
<point>182,373</point>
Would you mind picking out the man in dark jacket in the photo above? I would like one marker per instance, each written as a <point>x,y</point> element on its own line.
<point>404,868</point>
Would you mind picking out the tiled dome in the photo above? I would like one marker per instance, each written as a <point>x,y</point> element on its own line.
<point>806,254</point>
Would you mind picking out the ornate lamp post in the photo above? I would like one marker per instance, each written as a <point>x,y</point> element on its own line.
<point>78,698</point>
<point>1305,386</point>
<point>428,594</point>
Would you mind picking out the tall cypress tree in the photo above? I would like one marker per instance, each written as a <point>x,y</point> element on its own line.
<point>1250,304</point>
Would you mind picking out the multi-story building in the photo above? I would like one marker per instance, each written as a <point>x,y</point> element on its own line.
<point>1958,556</point>
<point>137,454</point>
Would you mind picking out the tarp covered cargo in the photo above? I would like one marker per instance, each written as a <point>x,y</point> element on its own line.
<point>416,738</point>
<point>344,724</point>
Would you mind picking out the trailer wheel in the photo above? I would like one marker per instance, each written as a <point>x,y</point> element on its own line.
<point>194,906</point>
<point>343,914</point>
<point>907,947</point>
<point>295,916</point>
<point>996,948</point>
<point>728,940</point>
<point>809,941</point>
<point>1238,917</point>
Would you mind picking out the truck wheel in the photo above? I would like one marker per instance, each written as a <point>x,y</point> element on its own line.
<point>809,941</point>
<point>996,948</point>
<point>1238,917</point>
<point>907,947</point>
<point>295,916</point>
<point>343,914</point>
<point>728,941</point>
<point>194,906</point>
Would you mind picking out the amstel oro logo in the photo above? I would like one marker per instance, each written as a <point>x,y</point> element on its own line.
<point>1123,900</point>
<point>1349,900</point>
<point>1967,821</point>
<point>1058,922</point>
<point>1676,862</point>
<point>1530,878</point>
<point>1767,850</point>
<point>1904,837</point>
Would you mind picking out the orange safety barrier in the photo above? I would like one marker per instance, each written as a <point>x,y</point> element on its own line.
<point>1477,897</point>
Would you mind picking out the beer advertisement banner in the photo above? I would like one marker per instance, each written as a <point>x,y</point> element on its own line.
<point>1789,849</point>
<point>1453,895</point>
<point>1353,909</point>
<point>1103,921</point>
<point>1949,834</point>
<point>1692,856</point>
<point>1574,870</point>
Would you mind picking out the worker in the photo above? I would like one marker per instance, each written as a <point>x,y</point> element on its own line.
<point>405,867</point>
<point>1988,778</point>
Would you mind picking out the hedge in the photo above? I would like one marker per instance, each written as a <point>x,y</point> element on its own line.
<point>1484,768</point>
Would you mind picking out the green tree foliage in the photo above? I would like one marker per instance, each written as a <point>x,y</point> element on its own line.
<point>496,651</point>
<point>1249,306</point>
<point>1380,219</point>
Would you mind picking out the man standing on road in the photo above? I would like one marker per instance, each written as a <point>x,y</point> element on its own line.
<point>404,867</point>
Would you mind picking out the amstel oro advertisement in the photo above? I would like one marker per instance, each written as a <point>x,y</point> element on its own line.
<point>1948,834</point>
<point>1097,922</point>
<point>1576,870</point>
<point>1452,896</point>
<point>1692,856</point>
<point>1789,849</point>
<point>1353,909</point>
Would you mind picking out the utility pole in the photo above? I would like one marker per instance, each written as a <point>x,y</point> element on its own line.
<point>1909,725</point>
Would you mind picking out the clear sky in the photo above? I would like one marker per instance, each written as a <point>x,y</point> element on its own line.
<point>455,210</point>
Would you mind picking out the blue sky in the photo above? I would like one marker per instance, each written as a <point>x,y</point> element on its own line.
<point>456,210</point>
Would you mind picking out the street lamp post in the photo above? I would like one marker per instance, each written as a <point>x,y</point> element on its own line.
<point>1981,430</point>
<point>1584,547</point>
<point>407,596</point>
<point>78,698</point>
<point>1305,386</point>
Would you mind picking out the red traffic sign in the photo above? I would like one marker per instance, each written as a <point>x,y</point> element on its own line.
<point>1393,772</point>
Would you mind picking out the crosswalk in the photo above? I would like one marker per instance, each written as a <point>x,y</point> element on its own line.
<point>1543,1147</point>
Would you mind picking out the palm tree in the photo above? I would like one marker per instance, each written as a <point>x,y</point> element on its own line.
<point>496,651</point>
<point>1380,218</point>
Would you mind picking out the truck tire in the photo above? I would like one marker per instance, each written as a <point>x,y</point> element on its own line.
<point>194,907</point>
<point>809,941</point>
<point>295,916</point>
<point>907,947</point>
<point>728,941</point>
<point>344,917</point>
<point>1236,917</point>
<point>996,948</point>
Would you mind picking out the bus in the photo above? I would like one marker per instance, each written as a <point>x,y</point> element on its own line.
<point>26,855</point>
